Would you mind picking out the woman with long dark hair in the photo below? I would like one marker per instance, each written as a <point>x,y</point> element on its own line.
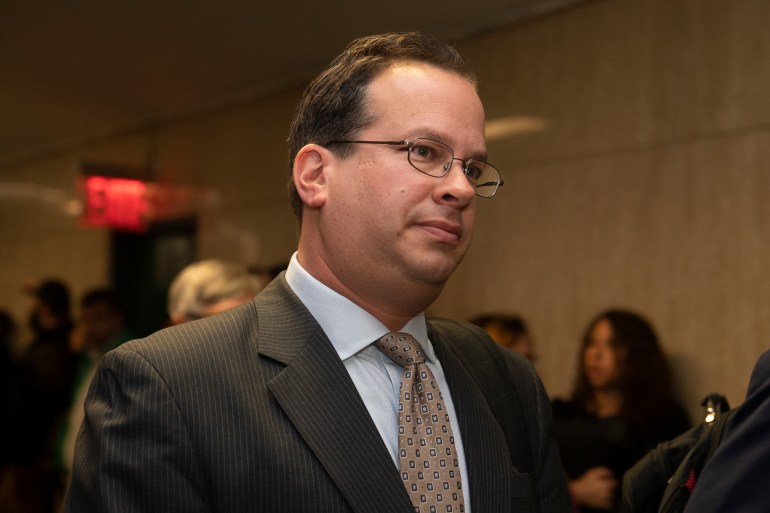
<point>622,405</point>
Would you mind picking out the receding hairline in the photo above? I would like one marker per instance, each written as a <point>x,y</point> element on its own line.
<point>406,62</point>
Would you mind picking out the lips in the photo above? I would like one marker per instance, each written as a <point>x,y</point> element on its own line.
<point>442,229</point>
<point>596,375</point>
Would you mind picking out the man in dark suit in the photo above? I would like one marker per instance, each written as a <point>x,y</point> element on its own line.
<point>735,478</point>
<point>284,404</point>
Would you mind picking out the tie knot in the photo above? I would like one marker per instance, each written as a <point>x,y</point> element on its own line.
<point>402,348</point>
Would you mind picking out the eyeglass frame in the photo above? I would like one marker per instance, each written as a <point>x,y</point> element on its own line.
<point>409,143</point>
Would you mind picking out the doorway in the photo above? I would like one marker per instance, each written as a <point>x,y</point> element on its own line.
<point>143,265</point>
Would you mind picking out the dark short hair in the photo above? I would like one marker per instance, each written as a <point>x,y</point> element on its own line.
<point>333,106</point>
<point>56,296</point>
<point>103,296</point>
<point>510,323</point>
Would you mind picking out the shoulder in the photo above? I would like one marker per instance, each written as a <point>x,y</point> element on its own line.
<point>497,370</point>
<point>763,362</point>
<point>471,340</point>
<point>196,343</point>
<point>459,328</point>
<point>760,376</point>
<point>486,360</point>
<point>755,408</point>
<point>463,338</point>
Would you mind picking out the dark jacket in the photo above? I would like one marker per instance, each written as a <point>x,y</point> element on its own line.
<point>252,410</point>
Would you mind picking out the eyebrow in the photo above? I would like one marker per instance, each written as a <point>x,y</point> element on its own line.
<point>443,137</point>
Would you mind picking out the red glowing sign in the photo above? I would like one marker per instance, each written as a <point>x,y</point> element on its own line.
<point>126,204</point>
<point>116,203</point>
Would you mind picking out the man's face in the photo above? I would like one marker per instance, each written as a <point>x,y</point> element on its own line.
<point>384,223</point>
<point>98,324</point>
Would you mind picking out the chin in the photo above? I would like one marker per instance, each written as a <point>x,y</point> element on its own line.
<point>435,274</point>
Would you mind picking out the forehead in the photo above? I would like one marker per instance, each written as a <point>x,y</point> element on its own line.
<point>408,99</point>
<point>97,311</point>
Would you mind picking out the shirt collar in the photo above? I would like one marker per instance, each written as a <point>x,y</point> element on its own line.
<point>349,327</point>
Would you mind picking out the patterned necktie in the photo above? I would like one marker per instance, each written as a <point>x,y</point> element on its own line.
<point>427,456</point>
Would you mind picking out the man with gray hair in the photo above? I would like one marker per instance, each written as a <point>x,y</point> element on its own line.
<point>208,287</point>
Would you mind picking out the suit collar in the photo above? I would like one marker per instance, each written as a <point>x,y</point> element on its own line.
<point>340,432</point>
<point>349,327</point>
<point>288,325</point>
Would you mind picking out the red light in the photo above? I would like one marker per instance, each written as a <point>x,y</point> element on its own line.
<point>117,203</point>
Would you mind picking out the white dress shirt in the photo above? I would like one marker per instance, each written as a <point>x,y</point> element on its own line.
<point>352,331</point>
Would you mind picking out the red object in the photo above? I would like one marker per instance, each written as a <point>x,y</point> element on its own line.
<point>117,203</point>
<point>690,483</point>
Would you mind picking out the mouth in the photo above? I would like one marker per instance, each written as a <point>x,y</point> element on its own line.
<point>445,231</point>
<point>593,372</point>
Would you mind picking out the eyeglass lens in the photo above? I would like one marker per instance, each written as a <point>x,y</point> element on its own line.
<point>435,159</point>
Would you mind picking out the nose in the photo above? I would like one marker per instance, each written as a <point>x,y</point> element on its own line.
<point>454,186</point>
<point>592,353</point>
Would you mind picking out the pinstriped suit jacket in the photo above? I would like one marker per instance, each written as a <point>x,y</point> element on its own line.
<point>233,413</point>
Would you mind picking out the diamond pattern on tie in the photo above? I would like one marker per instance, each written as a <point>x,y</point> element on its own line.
<point>427,456</point>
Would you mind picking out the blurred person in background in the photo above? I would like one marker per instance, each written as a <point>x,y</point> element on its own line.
<point>100,328</point>
<point>509,331</point>
<point>266,274</point>
<point>45,373</point>
<point>621,406</point>
<point>8,332</point>
<point>208,287</point>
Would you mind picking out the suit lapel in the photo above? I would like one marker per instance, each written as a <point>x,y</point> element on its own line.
<point>486,452</point>
<point>318,396</point>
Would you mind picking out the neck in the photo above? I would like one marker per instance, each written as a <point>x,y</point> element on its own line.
<point>607,402</point>
<point>393,304</point>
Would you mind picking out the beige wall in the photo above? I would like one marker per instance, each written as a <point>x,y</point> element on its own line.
<point>648,189</point>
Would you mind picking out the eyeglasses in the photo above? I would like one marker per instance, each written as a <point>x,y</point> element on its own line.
<point>435,158</point>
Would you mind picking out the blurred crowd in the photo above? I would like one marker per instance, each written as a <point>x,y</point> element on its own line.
<point>622,403</point>
<point>45,379</point>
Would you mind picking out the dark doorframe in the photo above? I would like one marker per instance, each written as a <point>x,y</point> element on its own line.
<point>143,265</point>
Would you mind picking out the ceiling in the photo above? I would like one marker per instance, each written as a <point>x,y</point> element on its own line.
<point>81,71</point>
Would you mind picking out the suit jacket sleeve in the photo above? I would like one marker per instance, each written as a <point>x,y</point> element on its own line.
<point>735,478</point>
<point>549,481</point>
<point>133,453</point>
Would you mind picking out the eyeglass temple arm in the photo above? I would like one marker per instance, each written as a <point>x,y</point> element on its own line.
<point>399,143</point>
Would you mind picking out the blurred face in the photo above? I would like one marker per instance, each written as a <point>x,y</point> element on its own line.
<point>98,324</point>
<point>600,358</point>
<point>41,318</point>
<point>386,228</point>
<point>225,304</point>
<point>504,337</point>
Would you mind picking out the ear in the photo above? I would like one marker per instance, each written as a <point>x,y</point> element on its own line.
<point>310,174</point>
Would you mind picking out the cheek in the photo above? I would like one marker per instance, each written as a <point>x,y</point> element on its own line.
<point>614,367</point>
<point>470,218</point>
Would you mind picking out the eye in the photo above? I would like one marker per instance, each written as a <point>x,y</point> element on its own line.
<point>474,170</point>
<point>424,152</point>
